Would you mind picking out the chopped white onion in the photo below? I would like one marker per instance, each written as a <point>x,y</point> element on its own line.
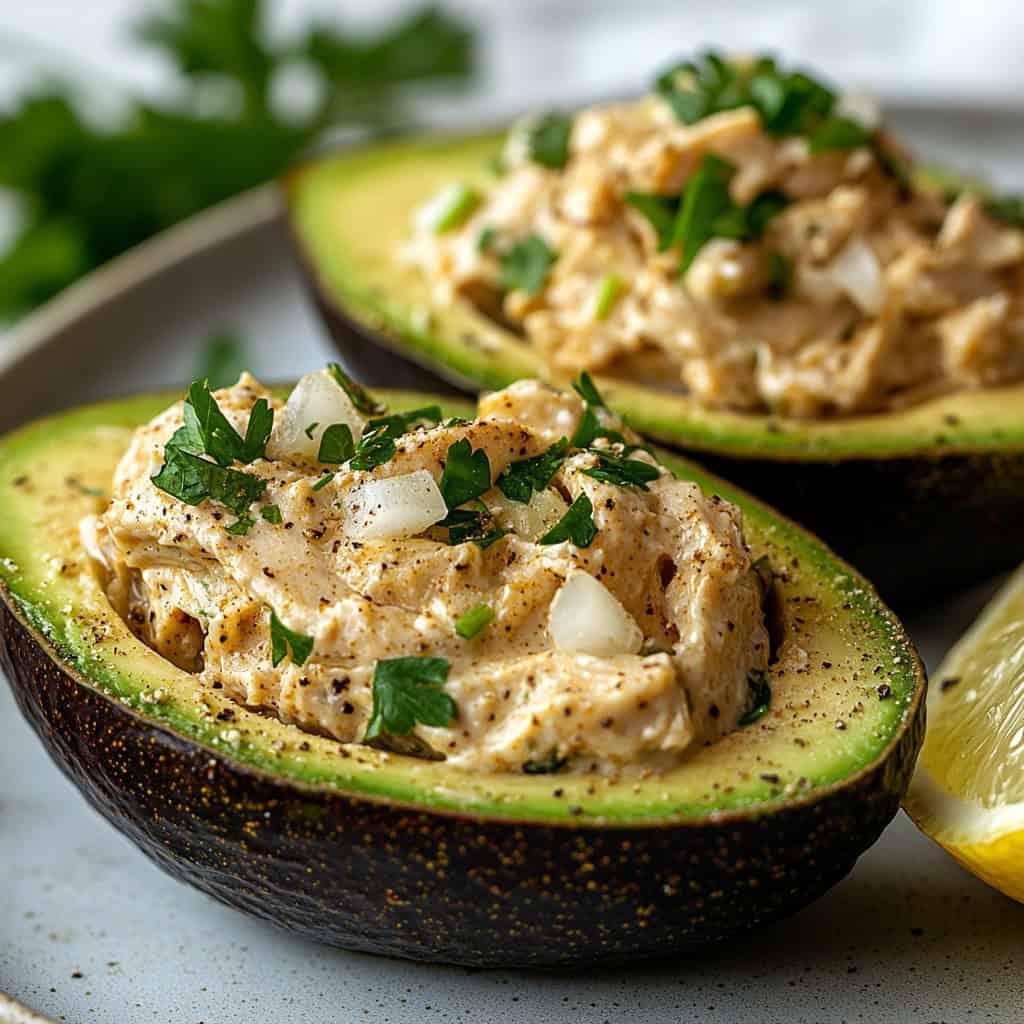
<point>532,520</point>
<point>856,271</point>
<point>587,618</point>
<point>317,402</point>
<point>861,107</point>
<point>398,506</point>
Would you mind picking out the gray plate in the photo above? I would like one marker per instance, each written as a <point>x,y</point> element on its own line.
<point>91,931</point>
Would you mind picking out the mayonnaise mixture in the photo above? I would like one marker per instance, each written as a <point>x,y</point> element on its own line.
<point>621,648</point>
<point>859,291</point>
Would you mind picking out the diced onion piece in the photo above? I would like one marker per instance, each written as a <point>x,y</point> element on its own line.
<point>856,271</point>
<point>531,521</point>
<point>316,403</point>
<point>398,506</point>
<point>861,107</point>
<point>587,618</point>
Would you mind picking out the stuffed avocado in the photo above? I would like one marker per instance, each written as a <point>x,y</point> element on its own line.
<point>268,804</point>
<point>755,272</point>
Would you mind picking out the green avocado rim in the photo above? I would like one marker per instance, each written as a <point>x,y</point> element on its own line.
<point>49,468</point>
<point>351,210</point>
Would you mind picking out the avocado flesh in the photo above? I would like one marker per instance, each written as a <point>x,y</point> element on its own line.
<point>387,854</point>
<point>895,493</point>
<point>830,619</point>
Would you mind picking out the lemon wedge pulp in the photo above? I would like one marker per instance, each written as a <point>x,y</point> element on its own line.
<point>968,791</point>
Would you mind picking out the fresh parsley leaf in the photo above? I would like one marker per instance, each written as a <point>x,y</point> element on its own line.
<point>374,449</point>
<point>357,394</point>
<point>468,525</point>
<point>585,387</point>
<point>758,213</point>
<point>547,140</point>
<point>760,697</point>
<point>399,423</point>
<point>525,266</point>
<point>467,474</point>
<point>660,211</point>
<point>705,199</point>
<point>208,431</point>
<point>223,360</point>
<point>310,428</point>
<point>590,429</point>
<point>576,525</point>
<point>285,642</point>
<point>471,623</point>
<point>696,89</point>
<point>549,766</point>
<point>521,478</point>
<point>407,692</point>
<point>837,132</point>
<point>486,239</point>
<point>336,444</point>
<point>193,480</point>
<point>241,526</point>
<point>780,275</point>
<point>271,513</point>
<point>622,471</point>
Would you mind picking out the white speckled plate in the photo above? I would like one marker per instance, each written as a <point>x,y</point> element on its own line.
<point>91,931</point>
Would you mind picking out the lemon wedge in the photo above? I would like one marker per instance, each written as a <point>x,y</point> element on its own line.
<point>968,790</point>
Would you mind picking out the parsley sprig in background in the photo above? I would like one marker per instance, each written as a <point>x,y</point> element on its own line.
<point>88,191</point>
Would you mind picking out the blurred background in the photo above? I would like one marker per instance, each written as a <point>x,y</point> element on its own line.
<point>118,118</point>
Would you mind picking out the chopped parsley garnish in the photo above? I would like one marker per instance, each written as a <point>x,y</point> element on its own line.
<point>322,482</point>
<point>661,211</point>
<point>336,444</point>
<point>585,387</point>
<point>486,239</point>
<point>271,513</point>
<point>780,275</point>
<point>576,525</point>
<point>547,140</point>
<point>622,471</point>
<point>309,430</point>
<point>467,474</point>
<point>192,479</point>
<point>398,423</point>
<point>705,199</point>
<point>285,642</point>
<point>465,524</point>
<point>407,692</point>
<point>760,697</point>
<point>471,623</point>
<point>608,292</point>
<point>374,449</point>
<point>520,479</point>
<point>837,132</point>
<point>207,431</point>
<point>357,394</point>
<point>241,526</point>
<point>525,266</point>
<point>787,102</point>
<point>549,766</point>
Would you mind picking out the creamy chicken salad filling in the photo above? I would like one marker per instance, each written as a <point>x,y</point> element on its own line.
<point>744,232</point>
<point>527,591</point>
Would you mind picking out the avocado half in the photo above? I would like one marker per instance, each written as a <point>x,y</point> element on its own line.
<point>380,852</point>
<point>922,500</point>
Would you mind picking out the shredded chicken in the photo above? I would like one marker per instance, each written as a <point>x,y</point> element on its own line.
<point>891,295</point>
<point>672,558</point>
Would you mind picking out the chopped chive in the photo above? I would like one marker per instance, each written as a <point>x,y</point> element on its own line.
<point>451,207</point>
<point>322,482</point>
<point>608,293</point>
<point>471,623</point>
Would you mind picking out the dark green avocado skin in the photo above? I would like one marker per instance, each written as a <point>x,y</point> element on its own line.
<point>917,527</point>
<point>383,878</point>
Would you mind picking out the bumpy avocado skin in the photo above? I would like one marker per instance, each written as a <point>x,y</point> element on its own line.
<point>918,527</point>
<point>384,878</point>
